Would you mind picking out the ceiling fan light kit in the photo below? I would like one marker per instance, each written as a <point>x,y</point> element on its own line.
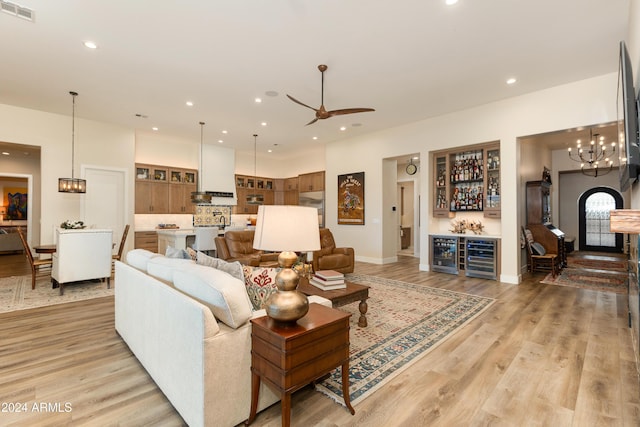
<point>321,112</point>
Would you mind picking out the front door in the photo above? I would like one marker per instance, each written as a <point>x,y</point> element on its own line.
<point>594,208</point>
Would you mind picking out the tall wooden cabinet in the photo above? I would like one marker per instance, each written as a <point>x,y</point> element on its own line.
<point>311,182</point>
<point>164,190</point>
<point>538,202</point>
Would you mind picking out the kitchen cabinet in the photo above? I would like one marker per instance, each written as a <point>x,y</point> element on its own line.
<point>146,240</point>
<point>248,185</point>
<point>182,182</point>
<point>311,182</point>
<point>152,197</point>
<point>164,189</point>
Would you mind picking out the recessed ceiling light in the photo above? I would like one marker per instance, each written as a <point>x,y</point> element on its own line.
<point>343,128</point>
<point>5,153</point>
<point>269,150</point>
<point>220,141</point>
<point>91,45</point>
<point>154,128</point>
<point>189,104</point>
<point>224,131</point>
<point>315,138</point>
<point>263,123</point>
<point>258,100</point>
<point>415,157</point>
<point>450,2</point>
<point>511,80</point>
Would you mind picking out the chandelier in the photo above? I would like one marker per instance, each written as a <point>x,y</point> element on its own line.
<point>592,154</point>
<point>73,184</point>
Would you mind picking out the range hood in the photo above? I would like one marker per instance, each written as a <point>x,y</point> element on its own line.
<point>218,175</point>
<point>223,198</point>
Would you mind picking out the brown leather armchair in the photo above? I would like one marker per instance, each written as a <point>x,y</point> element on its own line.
<point>237,245</point>
<point>331,258</point>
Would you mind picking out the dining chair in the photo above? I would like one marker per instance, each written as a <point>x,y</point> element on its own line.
<point>205,239</point>
<point>39,267</point>
<point>118,256</point>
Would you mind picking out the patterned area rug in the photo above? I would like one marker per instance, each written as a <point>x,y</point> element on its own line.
<point>604,263</point>
<point>610,281</point>
<point>405,322</point>
<point>16,293</point>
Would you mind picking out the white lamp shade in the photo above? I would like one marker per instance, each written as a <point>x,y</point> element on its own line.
<point>287,228</point>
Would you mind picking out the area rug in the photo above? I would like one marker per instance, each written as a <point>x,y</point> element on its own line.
<point>610,281</point>
<point>16,293</point>
<point>405,322</point>
<point>598,263</point>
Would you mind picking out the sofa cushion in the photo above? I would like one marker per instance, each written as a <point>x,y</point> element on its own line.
<point>162,267</point>
<point>138,258</point>
<point>260,283</point>
<point>233,268</point>
<point>172,252</point>
<point>221,292</point>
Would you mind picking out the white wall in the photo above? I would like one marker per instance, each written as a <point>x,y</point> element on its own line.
<point>577,104</point>
<point>97,144</point>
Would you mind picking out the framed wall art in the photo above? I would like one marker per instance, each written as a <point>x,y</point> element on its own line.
<point>351,198</point>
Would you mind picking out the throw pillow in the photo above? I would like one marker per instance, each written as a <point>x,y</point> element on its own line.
<point>192,254</point>
<point>538,249</point>
<point>260,283</point>
<point>233,268</point>
<point>222,293</point>
<point>162,267</point>
<point>176,253</point>
<point>139,258</point>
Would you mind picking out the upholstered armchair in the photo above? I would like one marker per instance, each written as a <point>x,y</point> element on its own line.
<point>237,245</point>
<point>331,258</point>
<point>82,255</point>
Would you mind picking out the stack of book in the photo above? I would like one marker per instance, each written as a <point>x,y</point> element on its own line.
<point>328,280</point>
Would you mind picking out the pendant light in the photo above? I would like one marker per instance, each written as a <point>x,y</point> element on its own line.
<point>255,198</point>
<point>72,185</point>
<point>200,196</point>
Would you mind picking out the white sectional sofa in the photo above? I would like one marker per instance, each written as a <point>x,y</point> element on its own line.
<point>200,361</point>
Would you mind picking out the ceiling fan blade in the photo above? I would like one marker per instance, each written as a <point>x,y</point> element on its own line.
<point>312,122</point>
<point>301,103</point>
<point>349,111</point>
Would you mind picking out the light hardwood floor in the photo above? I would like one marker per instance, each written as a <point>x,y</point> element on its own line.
<point>542,355</point>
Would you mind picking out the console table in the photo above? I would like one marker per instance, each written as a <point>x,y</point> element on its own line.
<point>288,358</point>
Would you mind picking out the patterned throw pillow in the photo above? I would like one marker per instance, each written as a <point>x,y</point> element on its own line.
<point>260,283</point>
<point>233,268</point>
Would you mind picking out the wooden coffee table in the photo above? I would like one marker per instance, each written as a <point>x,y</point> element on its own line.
<point>339,297</point>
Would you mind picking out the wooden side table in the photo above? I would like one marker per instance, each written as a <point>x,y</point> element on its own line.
<point>288,358</point>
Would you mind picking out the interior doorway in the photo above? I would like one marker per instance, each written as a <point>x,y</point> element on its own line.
<point>594,208</point>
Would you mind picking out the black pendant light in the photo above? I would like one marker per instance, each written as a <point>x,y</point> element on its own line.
<point>200,196</point>
<point>72,185</point>
<point>255,198</point>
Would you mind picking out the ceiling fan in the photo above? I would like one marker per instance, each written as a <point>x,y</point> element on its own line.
<point>322,113</point>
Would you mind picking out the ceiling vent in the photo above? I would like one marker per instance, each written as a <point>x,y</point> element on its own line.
<point>17,10</point>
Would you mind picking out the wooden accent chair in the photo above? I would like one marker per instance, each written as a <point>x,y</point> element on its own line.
<point>118,256</point>
<point>539,262</point>
<point>39,267</point>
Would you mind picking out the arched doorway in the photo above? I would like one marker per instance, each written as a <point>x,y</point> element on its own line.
<point>594,206</point>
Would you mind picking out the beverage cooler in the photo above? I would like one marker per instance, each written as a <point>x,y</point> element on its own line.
<point>444,254</point>
<point>481,258</point>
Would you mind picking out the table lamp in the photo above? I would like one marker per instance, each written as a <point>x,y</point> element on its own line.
<point>288,229</point>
